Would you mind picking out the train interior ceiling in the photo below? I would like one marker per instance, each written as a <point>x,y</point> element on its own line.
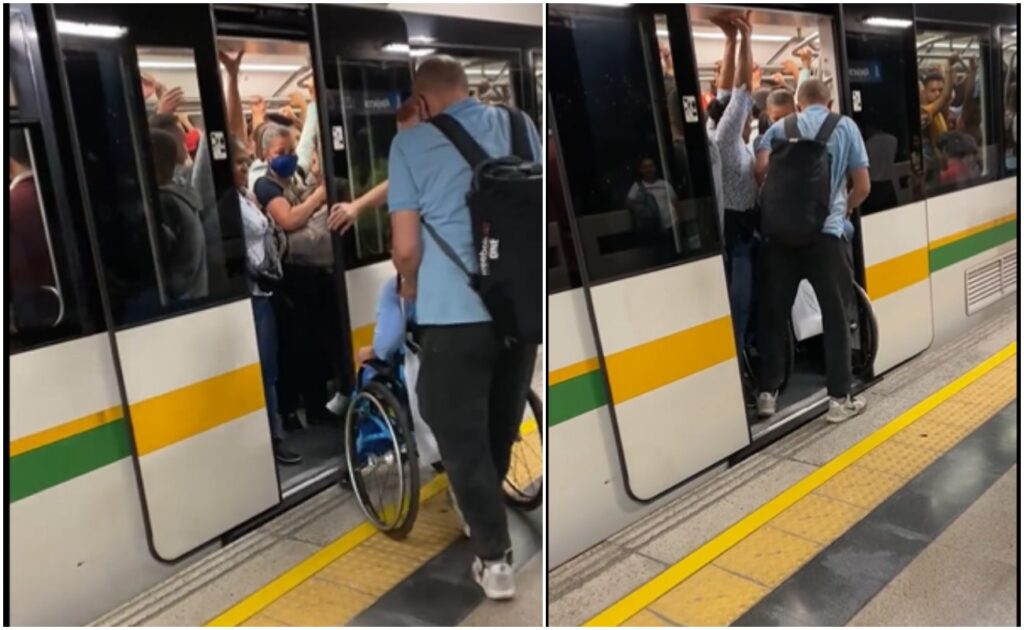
<point>276,75</point>
<point>776,37</point>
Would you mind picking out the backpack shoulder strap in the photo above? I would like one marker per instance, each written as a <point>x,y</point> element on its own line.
<point>791,128</point>
<point>517,132</point>
<point>447,249</point>
<point>827,127</point>
<point>464,143</point>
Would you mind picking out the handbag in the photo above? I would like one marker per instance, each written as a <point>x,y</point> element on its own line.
<point>310,245</point>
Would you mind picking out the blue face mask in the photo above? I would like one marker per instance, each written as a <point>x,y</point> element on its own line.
<point>285,165</point>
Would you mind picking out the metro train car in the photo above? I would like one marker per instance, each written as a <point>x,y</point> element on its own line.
<point>648,393</point>
<point>138,439</point>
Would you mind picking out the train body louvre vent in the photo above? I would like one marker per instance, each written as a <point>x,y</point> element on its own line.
<point>989,282</point>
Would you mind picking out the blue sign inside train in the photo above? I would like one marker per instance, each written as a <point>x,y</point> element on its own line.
<point>865,72</point>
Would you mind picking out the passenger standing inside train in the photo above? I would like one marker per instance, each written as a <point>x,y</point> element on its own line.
<point>472,388</point>
<point>29,257</point>
<point>652,202</point>
<point>739,188</point>
<point>263,244</point>
<point>824,263</point>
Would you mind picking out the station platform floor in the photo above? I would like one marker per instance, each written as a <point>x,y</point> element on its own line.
<point>906,515</point>
<point>322,564</point>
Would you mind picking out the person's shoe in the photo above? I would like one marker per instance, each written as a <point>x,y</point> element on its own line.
<point>458,512</point>
<point>285,455</point>
<point>842,409</point>
<point>495,577</point>
<point>766,404</point>
<point>337,404</point>
<point>292,422</point>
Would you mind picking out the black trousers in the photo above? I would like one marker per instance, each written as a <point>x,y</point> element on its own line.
<point>310,341</point>
<point>825,265</point>
<point>472,393</point>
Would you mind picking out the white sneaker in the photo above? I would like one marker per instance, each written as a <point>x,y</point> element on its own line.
<point>495,577</point>
<point>842,409</point>
<point>766,404</point>
<point>337,404</point>
<point>458,512</point>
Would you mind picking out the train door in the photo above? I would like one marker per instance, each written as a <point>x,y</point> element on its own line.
<point>642,214</point>
<point>164,215</point>
<point>893,222</point>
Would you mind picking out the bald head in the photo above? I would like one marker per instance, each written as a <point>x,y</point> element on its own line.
<point>440,73</point>
<point>779,104</point>
<point>813,92</point>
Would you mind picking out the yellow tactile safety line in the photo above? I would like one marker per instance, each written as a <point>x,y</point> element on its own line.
<point>332,586</point>
<point>726,576</point>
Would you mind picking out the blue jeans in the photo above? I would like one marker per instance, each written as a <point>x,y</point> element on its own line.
<point>266,341</point>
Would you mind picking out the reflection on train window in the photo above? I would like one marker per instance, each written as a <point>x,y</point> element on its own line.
<point>563,271</point>
<point>538,75</point>
<point>371,94</point>
<point>1011,96</point>
<point>875,68</point>
<point>957,146</point>
<point>626,170</point>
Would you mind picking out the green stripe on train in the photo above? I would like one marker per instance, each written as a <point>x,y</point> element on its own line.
<point>952,253</point>
<point>53,464</point>
<point>575,397</point>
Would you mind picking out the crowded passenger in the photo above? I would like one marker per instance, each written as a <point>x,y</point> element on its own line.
<point>472,388</point>
<point>739,187</point>
<point>29,259</point>
<point>824,262</point>
<point>183,243</point>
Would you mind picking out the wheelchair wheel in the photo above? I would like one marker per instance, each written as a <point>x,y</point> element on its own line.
<point>864,334</point>
<point>381,455</point>
<point>524,482</point>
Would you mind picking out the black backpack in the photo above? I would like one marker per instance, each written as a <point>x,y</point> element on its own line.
<point>506,209</point>
<point>797,193</point>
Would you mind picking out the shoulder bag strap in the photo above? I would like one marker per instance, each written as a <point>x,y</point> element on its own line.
<point>470,149</point>
<point>517,132</point>
<point>827,127</point>
<point>447,249</point>
<point>791,128</point>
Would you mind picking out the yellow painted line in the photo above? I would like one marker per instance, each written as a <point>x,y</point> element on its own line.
<point>644,368</point>
<point>572,371</point>
<point>274,590</point>
<point>648,593</point>
<point>180,414</point>
<point>956,236</point>
<point>62,431</point>
<point>890,276</point>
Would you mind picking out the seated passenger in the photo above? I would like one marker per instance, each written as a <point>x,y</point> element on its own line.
<point>824,263</point>
<point>182,239</point>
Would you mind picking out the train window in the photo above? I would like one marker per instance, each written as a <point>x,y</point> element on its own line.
<point>875,69</point>
<point>538,74</point>
<point>957,144</point>
<point>1011,98</point>
<point>563,271</point>
<point>43,306</point>
<point>371,94</point>
<point>634,212</point>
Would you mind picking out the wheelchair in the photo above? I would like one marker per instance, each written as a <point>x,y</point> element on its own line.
<point>383,459</point>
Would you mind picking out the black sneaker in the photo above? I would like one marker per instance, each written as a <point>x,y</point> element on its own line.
<point>285,455</point>
<point>292,422</point>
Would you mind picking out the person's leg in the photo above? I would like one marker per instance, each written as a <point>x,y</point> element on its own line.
<point>511,383</point>
<point>266,342</point>
<point>829,274</point>
<point>288,338</point>
<point>456,370</point>
<point>777,289</point>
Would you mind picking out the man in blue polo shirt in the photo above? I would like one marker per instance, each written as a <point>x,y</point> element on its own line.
<point>472,389</point>
<point>823,263</point>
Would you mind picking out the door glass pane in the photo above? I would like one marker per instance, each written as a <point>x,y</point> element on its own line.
<point>1011,98</point>
<point>371,94</point>
<point>563,271</point>
<point>633,211</point>
<point>957,143</point>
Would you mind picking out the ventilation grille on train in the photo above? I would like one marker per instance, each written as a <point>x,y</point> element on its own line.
<point>991,281</point>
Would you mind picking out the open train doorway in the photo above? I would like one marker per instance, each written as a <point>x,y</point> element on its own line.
<point>788,48</point>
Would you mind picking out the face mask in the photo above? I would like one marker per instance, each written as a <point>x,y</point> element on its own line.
<point>285,165</point>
